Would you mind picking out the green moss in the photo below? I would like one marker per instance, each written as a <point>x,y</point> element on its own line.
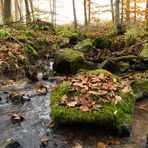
<point>4,33</point>
<point>140,87</point>
<point>144,53</point>
<point>70,61</point>
<point>65,115</point>
<point>31,50</point>
<point>73,36</point>
<point>102,42</point>
<point>85,45</point>
<point>26,36</point>
<point>22,59</point>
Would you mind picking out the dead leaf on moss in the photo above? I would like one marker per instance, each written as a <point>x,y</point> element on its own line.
<point>101,145</point>
<point>71,104</point>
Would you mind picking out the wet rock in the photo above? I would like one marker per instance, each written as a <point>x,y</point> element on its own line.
<point>140,88</point>
<point>85,45</point>
<point>47,74</point>
<point>144,52</point>
<point>11,143</point>
<point>69,61</point>
<point>17,98</point>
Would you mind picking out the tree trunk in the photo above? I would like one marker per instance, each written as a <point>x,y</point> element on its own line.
<point>74,14</point>
<point>122,11</point>
<point>28,17</point>
<point>2,9</point>
<point>146,15</point>
<point>135,11</point>
<point>127,11</point>
<point>32,9</point>
<point>7,11</point>
<point>16,10</point>
<point>117,13</point>
<point>112,11</point>
<point>89,11</point>
<point>85,13</point>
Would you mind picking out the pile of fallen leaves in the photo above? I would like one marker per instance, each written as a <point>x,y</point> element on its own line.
<point>88,92</point>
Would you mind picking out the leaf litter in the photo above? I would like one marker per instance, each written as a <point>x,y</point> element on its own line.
<point>88,92</point>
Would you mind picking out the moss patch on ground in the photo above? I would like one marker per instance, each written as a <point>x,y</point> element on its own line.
<point>114,116</point>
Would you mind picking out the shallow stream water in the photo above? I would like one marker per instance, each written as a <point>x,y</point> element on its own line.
<point>34,132</point>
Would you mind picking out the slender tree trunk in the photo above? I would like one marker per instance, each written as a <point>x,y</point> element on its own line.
<point>16,11</point>
<point>51,11</point>
<point>32,9</point>
<point>2,10</point>
<point>117,13</point>
<point>128,11</point>
<point>122,11</point>
<point>74,14</point>
<point>7,11</point>
<point>146,15</point>
<point>89,11</point>
<point>28,17</point>
<point>112,11</point>
<point>85,13</point>
<point>135,11</point>
<point>55,13</point>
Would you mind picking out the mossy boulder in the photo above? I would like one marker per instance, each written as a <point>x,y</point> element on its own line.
<point>116,67</point>
<point>144,52</point>
<point>86,45</point>
<point>72,36</point>
<point>140,87</point>
<point>102,42</point>
<point>69,61</point>
<point>111,116</point>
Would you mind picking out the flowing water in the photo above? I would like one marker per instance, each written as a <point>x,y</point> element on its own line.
<point>34,132</point>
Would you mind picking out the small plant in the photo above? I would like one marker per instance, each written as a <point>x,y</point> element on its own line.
<point>4,33</point>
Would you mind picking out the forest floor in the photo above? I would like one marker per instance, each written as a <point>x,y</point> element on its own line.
<point>27,78</point>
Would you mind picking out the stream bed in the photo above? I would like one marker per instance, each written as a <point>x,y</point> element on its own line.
<point>35,132</point>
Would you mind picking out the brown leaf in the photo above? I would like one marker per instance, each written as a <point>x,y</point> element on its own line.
<point>71,104</point>
<point>51,125</point>
<point>41,89</point>
<point>64,99</point>
<point>16,118</point>
<point>143,107</point>
<point>114,101</point>
<point>101,145</point>
<point>84,108</point>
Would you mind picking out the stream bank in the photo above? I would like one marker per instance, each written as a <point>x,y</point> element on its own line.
<point>34,131</point>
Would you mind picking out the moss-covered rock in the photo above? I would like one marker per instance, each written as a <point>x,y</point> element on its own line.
<point>69,61</point>
<point>85,45</point>
<point>140,87</point>
<point>73,36</point>
<point>144,53</point>
<point>114,116</point>
<point>102,42</point>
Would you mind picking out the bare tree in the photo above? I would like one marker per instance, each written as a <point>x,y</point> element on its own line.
<point>146,15</point>
<point>32,9</point>
<point>89,11</point>
<point>74,14</point>
<point>112,11</point>
<point>117,13</point>
<point>2,9</point>
<point>7,11</point>
<point>122,11</point>
<point>28,17</point>
<point>85,13</point>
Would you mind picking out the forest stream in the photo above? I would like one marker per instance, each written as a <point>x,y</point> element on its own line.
<point>36,132</point>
